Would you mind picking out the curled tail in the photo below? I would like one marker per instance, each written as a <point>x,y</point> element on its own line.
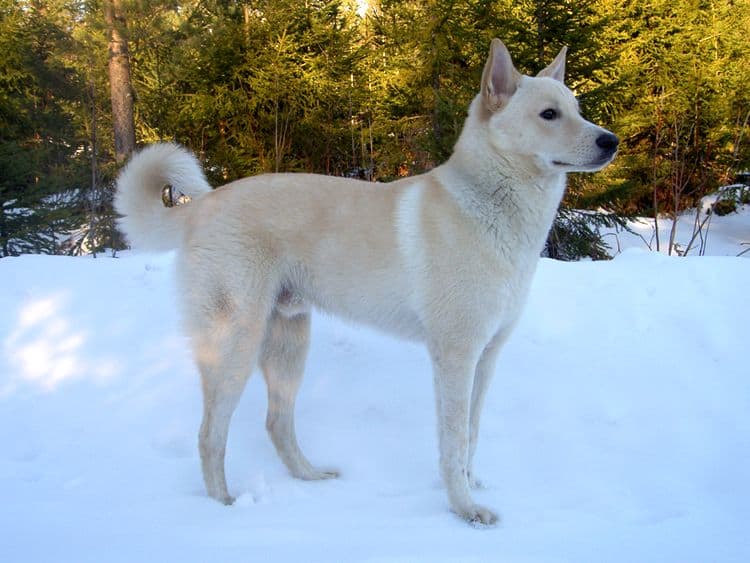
<point>146,221</point>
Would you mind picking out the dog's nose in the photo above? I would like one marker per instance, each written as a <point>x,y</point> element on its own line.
<point>607,141</point>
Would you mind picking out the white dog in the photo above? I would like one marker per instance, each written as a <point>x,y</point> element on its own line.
<point>446,258</point>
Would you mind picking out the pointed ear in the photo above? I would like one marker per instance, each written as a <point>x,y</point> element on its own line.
<point>556,69</point>
<point>500,78</point>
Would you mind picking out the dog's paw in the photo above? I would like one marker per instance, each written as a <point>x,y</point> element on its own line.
<point>221,497</point>
<point>479,516</point>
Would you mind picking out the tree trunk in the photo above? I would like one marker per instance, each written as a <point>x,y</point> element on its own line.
<point>3,232</point>
<point>119,79</point>
<point>540,23</point>
<point>92,207</point>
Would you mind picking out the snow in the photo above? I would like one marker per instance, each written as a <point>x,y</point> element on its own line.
<point>617,427</point>
<point>727,235</point>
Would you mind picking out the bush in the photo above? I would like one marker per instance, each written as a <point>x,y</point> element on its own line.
<point>725,207</point>
<point>575,235</point>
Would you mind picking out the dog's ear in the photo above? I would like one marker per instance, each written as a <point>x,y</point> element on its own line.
<point>556,69</point>
<point>500,78</point>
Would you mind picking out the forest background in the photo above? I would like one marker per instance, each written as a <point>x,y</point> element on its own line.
<point>374,90</point>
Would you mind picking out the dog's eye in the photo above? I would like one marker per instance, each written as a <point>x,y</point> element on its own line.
<point>549,114</point>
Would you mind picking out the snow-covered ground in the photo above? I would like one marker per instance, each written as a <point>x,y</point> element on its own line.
<point>727,235</point>
<point>617,428</point>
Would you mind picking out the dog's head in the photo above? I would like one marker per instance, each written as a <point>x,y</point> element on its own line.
<point>538,118</point>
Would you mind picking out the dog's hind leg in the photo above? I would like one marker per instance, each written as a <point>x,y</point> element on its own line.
<point>226,349</point>
<point>283,362</point>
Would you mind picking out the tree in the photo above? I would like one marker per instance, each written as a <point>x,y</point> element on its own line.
<point>119,76</point>
<point>683,114</point>
<point>428,58</point>
<point>258,87</point>
<point>39,103</point>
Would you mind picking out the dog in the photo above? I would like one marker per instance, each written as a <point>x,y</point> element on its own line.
<point>445,258</point>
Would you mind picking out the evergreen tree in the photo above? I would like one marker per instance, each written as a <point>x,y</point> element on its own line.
<point>683,115</point>
<point>39,99</point>
<point>251,87</point>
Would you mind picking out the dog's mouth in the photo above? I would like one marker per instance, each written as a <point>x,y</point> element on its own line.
<point>590,166</point>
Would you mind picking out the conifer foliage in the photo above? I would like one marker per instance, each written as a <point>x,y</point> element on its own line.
<point>371,89</point>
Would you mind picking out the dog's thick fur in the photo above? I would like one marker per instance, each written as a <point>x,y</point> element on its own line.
<point>446,258</point>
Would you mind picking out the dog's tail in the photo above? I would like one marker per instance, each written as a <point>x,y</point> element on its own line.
<point>150,219</point>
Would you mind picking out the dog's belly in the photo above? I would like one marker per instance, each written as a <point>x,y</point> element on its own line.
<point>387,313</point>
<point>377,299</point>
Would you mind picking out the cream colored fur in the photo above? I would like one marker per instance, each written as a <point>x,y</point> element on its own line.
<point>445,258</point>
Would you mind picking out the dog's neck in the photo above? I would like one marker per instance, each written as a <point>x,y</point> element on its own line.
<point>507,199</point>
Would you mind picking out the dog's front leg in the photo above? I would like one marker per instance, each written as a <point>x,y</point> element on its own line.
<point>482,378</point>
<point>454,370</point>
